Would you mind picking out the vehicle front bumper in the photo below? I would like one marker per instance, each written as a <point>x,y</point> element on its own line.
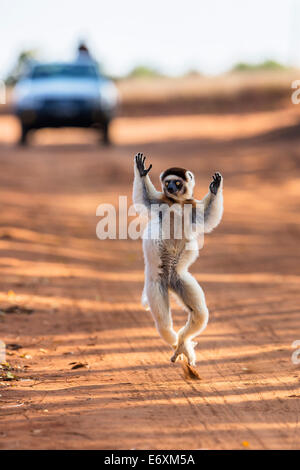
<point>64,113</point>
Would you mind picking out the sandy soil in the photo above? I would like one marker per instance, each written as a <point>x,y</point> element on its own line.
<point>85,293</point>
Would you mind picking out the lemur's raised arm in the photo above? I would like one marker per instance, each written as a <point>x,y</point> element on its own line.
<point>144,192</point>
<point>213,203</point>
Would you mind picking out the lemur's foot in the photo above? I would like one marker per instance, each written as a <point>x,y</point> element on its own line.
<point>140,163</point>
<point>180,356</point>
<point>187,349</point>
<point>216,182</point>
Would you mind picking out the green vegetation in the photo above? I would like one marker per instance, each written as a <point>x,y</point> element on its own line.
<point>144,71</point>
<point>23,62</point>
<point>266,65</point>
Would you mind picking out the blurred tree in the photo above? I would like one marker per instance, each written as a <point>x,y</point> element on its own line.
<point>144,71</point>
<point>192,73</point>
<point>266,65</point>
<point>22,66</point>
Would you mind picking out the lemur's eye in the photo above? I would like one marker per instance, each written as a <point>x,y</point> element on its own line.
<point>177,183</point>
<point>167,183</point>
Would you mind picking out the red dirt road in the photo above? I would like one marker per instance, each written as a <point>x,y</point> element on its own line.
<point>85,293</point>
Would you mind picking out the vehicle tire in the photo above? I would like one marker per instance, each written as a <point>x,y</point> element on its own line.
<point>106,137</point>
<point>24,134</point>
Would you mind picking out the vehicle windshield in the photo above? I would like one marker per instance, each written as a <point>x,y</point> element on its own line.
<point>64,71</point>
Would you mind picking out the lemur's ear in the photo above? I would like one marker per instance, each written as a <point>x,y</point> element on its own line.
<point>189,176</point>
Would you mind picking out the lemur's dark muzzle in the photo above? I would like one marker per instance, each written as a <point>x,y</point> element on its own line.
<point>172,188</point>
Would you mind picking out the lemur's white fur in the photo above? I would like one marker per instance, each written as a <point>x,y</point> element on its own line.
<point>167,263</point>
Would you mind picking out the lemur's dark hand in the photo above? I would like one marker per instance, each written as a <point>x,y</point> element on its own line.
<point>215,184</point>
<point>140,163</point>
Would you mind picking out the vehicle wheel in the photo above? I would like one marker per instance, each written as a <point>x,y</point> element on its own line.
<point>24,134</point>
<point>106,137</point>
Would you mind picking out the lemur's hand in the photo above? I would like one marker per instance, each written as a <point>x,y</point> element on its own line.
<point>215,184</point>
<point>140,163</point>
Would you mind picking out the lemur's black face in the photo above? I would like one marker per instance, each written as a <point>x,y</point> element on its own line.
<point>173,186</point>
<point>177,183</point>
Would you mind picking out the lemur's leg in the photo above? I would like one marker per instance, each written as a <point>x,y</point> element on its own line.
<point>144,299</point>
<point>192,296</point>
<point>158,300</point>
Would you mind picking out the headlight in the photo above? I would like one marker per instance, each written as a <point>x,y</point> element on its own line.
<point>29,102</point>
<point>23,96</point>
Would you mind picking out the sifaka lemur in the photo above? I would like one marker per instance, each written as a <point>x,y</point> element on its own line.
<point>167,259</point>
